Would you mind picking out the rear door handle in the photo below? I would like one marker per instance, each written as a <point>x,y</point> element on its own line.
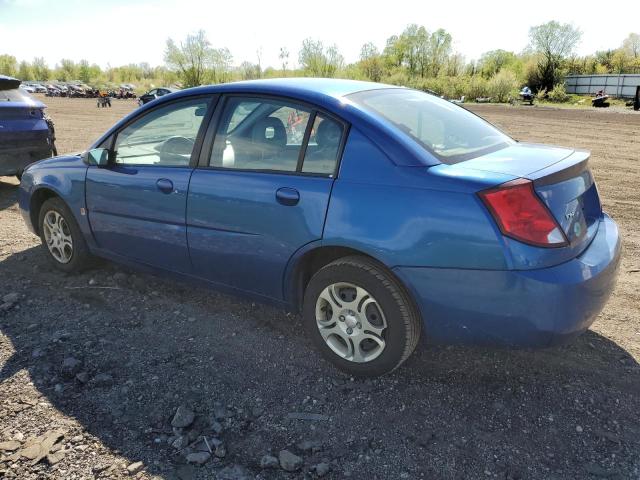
<point>165,185</point>
<point>288,196</point>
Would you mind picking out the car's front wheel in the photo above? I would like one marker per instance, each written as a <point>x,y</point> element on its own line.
<point>360,317</point>
<point>61,237</point>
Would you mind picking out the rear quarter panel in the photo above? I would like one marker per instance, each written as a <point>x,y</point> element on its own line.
<point>407,215</point>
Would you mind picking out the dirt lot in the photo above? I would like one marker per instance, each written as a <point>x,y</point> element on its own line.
<point>93,367</point>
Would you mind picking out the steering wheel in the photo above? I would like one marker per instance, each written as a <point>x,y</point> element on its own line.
<point>177,146</point>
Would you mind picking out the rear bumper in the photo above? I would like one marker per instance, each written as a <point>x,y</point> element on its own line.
<point>524,308</point>
<point>14,156</point>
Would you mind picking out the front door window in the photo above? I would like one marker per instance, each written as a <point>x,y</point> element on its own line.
<point>164,137</point>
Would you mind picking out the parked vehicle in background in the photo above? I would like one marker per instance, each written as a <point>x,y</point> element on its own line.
<point>26,133</point>
<point>379,212</point>
<point>37,88</point>
<point>527,95</point>
<point>155,93</point>
<point>53,91</point>
<point>76,91</point>
<point>64,90</point>
<point>27,88</point>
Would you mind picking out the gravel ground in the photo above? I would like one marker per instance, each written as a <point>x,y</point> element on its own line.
<point>119,374</point>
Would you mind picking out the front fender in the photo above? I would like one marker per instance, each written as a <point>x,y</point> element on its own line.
<point>63,177</point>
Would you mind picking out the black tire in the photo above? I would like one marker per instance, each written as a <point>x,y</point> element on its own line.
<point>80,257</point>
<point>403,321</point>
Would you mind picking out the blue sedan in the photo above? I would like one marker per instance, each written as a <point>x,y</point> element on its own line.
<point>378,212</point>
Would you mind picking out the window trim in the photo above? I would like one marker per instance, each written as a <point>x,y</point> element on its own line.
<point>209,140</point>
<point>212,101</point>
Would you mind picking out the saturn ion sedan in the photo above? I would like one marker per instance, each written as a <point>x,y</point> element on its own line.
<point>380,213</point>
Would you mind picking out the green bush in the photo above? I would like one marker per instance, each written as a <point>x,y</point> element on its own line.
<point>558,94</point>
<point>503,86</point>
<point>478,87</point>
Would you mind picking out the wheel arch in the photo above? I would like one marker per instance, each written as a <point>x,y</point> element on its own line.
<point>38,197</point>
<point>307,262</point>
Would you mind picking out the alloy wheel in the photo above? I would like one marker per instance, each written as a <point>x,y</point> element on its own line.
<point>57,236</point>
<point>351,322</point>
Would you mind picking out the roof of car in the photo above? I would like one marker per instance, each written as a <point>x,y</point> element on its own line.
<point>302,87</point>
<point>332,87</point>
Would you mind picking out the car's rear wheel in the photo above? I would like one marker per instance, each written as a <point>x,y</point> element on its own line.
<point>61,237</point>
<point>360,317</point>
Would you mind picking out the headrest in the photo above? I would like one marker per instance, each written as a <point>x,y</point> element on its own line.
<point>270,131</point>
<point>328,134</point>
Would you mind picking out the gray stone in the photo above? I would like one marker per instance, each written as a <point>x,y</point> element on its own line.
<point>269,461</point>
<point>71,366</point>
<point>257,412</point>
<point>11,298</point>
<point>183,417</point>
<point>135,468</point>
<point>289,461</point>
<point>82,377</point>
<point>198,458</point>
<point>216,427</point>
<point>219,412</point>
<point>181,442</point>
<point>219,450</point>
<point>102,380</point>
<point>322,469</point>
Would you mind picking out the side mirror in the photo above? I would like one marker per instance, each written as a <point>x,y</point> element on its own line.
<point>98,157</point>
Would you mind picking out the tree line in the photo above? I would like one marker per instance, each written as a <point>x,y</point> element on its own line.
<point>416,57</point>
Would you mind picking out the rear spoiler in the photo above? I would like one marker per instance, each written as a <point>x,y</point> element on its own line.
<point>8,83</point>
<point>569,167</point>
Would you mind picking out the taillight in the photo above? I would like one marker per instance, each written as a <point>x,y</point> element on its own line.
<point>520,214</point>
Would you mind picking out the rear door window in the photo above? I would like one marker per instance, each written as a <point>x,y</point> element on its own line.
<point>276,135</point>
<point>260,135</point>
<point>323,149</point>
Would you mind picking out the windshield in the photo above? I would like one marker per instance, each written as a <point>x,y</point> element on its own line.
<point>448,131</point>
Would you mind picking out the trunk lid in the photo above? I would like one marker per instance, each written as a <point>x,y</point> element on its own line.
<point>562,180</point>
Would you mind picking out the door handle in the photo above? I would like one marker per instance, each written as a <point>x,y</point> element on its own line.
<point>164,185</point>
<point>287,196</point>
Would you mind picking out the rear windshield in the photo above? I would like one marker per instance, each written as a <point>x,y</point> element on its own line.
<point>449,132</point>
<point>15,95</point>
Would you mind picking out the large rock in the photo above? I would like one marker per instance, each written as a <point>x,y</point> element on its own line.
<point>289,461</point>
<point>183,417</point>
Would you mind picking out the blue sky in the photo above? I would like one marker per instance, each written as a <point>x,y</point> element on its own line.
<point>117,32</point>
